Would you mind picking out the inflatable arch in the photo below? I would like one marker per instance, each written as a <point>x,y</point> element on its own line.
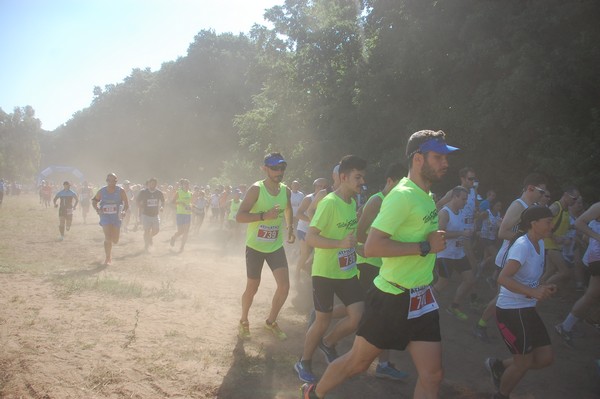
<point>60,169</point>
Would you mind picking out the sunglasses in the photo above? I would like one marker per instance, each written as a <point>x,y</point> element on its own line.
<point>280,167</point>
<point>573,197</point>
<point>471,178</point>
<point>539,190</point>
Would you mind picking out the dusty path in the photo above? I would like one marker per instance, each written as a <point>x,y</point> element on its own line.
<point>163,325</point>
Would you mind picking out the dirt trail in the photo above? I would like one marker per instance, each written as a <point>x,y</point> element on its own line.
<point>163,325</point>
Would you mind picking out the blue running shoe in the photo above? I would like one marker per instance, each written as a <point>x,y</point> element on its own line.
<point>390,372</point>
<point>329,351</point>
<point>305,373</point>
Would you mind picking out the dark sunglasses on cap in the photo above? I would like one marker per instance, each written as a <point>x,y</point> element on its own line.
<point>540,190</point>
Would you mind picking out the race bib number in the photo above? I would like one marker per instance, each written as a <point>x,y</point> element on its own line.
<point>152,202</point>
<point>469,220</point>
<point>347,259</point>
<point>422,301</point>
<point>69,211</point>
<point>268,233</point>
<point>110,209</point>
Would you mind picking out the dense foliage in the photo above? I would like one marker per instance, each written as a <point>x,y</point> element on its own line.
<point>513,83</point>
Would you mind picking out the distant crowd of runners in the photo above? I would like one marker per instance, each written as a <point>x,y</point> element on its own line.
<point>385,257</point>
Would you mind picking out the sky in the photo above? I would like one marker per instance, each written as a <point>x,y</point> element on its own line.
<point>53,52</point>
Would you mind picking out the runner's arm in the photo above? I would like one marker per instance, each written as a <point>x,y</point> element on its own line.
<point>124,200</point>
<point>511,219</point>
<point>313,206</point>
<point>581,223</point>
<point>506,279</point>
<point>244,215</point>
<point>369,212</point>
<point>289,217</point>
<point>444,200</point>
<point>300,213</point>
<point>380,244</point>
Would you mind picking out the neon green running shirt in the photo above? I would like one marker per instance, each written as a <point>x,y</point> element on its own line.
<point>335,219</point>
<point>267,235</point>
<point>186,198</point>
<point>408,214</point>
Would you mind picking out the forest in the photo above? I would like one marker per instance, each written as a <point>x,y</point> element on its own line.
<point>514,84</point>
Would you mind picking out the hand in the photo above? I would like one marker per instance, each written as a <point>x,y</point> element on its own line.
<point>291,236</point>
<point>271,213</point>
<point>349,241</point>
<point>437,241</point>
<point>544,291</point>
<point>467,233</point>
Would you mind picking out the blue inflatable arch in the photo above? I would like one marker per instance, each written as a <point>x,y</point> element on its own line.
<point>60,169</point>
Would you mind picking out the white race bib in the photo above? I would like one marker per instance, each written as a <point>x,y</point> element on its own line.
<point>109,209</point>
<point>152,202</point>
<point>422,301</point>
<point>267,233</point>
<point>347,259</point>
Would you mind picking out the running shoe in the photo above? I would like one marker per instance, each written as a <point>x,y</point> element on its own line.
<point>494,366</point>
<point>329,351</point>
<point>308,391</point>
<point>565,335</point>
<point>305,373</point>
<point>244,330</point>
<point>481,333</point>
<point>390,372</point>
<point>456,312</point>
<point>274,328</point>
<point>60,238</point>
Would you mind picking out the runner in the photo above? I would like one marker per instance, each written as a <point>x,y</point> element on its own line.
<point>183,202</point>
<point>85,195</point>
<point>110,202</point>
<point>131,199</point>
<point>520,325</point>
<point>150,201</point>
<point>66,208</point>
<point>1,191</point>
<point>453,258</point>
<point>46,193</point>
<point>534,187</point>
<point>400,311</point>
<point>263,208</point>
<point>369,267</point>
<point>589,224</point>
<point>334,272</point>
<point>199,206</point>
<point>302,227</point>
<point>233,207</point>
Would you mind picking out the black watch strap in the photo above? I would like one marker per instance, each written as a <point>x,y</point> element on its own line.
<point>425,247</point>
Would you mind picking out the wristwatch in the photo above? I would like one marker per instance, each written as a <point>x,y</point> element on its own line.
<point>425,247</point>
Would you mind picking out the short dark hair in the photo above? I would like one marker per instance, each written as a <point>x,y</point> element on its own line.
<point>465,171</point>
<point>418,138</point>
<point>395,171</point>
<point>456,191</point>
<point>534,179</point>
<point>352,162</point>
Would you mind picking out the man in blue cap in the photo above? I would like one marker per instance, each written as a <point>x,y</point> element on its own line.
<point>401,311</point>
<point>263,208</point>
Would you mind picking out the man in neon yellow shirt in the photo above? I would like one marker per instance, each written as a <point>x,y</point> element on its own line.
<point>183,202</point>
<point>401,312</point>
<point>332,233</point>
<point>263,208</point>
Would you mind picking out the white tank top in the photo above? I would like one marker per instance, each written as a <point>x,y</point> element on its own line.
<point>592,254</point>
<point>500,257</point>
<point>490,226</point>
<point>454,246</point>
<point>303,224</point>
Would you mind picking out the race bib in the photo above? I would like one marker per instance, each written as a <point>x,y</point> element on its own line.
<point>69,211</point>
<point>422,301</point>
<point>347,259</point>
<point>267,233</point>
<point>110,209</point>
<point>469,220</point>
<point>152,202</point>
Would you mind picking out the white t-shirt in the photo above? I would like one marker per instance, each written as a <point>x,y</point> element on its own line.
<point>592,254</point>
<point>529,274</point>
<point>468,211</point>
<point>303,224</point>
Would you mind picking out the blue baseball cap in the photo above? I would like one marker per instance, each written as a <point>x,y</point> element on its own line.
<point>274,159</point>
<point>437,144</point>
